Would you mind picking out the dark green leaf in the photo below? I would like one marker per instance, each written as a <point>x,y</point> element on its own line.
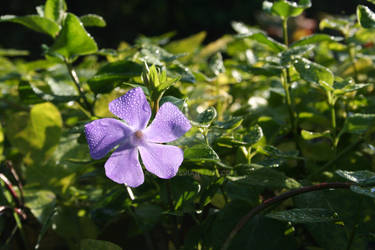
<point>73,40</point>
<point>273,151</point>
<point>34,22</point>
<point>229,124</point>
<point>366,17</point>
<point>304,215</point>
<point>253,135</point>
<point>200,152</point>
<point>98,245</point>
<point>368,191</point>
<point>288,55</point>
<point>40,202</point>
<point>313,72</point>
<point>362,177</point>
<point>92,20</point>
<point>113,72</point>
<point>180,103</point>
<point>207,117</point>
<point>358,123</point>
<point>315,38</point>
<point>266,177</point>
<point>267,41</point>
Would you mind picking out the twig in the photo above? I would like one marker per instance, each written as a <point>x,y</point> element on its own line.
<point>276,199</point>
<point>18,180</point>
<point>77,83</point>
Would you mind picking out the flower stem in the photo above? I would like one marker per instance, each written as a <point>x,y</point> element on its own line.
<point>279,198</point>
<point>73,75</point>
<point>351,52</point>
<point>288,100</point>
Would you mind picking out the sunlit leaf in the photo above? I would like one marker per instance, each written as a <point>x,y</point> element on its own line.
<point>315,38</point>
<point>73,40</point>
<point>285,9</point>
<point>34,22</point>
<point>54,10</point>
<point>366,17</point>
<point>265,40</point>
<point>362,177</point>
<point>92,20</point>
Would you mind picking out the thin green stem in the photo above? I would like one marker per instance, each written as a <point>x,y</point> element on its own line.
<point>277,199</point>
<point>74,76</point>
<point>331,104</point>
<point>285,31</point>
<point>288,100</point>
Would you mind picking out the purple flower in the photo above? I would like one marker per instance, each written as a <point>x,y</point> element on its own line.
<point>132,137</point>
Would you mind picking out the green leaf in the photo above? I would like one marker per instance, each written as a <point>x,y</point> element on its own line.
<point>254,135</point>
<point>187,45</point>
<point>288,55</point>
<point>40,202</point>
<point>229,124</point>
<point>315,38</point>
<point>216,64</point>
<point>308,135</point>
<point>180,103</point>
<point>98,245</point>
<point>313,72</point>
<point>267,41</point>
<point>54,10</point>
<point>73,40</point>
<point>13,52</point>
<point>339,24</point>
<point>207,117</point>
<point>242,28</point>
<point>371,1</point>
<point>304,215</point>
<point>361,177</point>
<point>273,151</point>
<point>357,123</point>
<point>286,9</point>
<point>368,191</point>
<point>113,72</point>
<point>348,86</point>
<point>37,134</point>
<point>34,22</point>
<point>92,20</point>
<point>200,152</point>
<point>266,177</point>
<point>366,17</point>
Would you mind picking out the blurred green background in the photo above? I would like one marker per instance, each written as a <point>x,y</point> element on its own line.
<point>126,19</point>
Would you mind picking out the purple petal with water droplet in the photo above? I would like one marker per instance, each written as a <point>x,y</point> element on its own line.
<point>168,125</point>
<point>123,166</point>
<point>104,134</point>
<point>132,108</point>
<point>161,160</point>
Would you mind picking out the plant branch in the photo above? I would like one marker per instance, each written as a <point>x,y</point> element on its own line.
<point>73,75</point>
<point>279,198</point>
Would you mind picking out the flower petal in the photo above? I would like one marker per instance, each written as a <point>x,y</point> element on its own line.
<point>168,125</point>
<point>104,134</point>
<point>161,160</point>
<point>132,108</point>
<point>123,166</point>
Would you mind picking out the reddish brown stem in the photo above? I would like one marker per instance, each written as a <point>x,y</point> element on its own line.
<point>8,184</point>
<point>18,180</point>
<point>279,198</point>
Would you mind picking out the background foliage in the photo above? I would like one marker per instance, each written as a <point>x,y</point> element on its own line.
<point>280,155</point>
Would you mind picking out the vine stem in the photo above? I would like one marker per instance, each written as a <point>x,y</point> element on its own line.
<point>279,198</point>
<point>74,76</point>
